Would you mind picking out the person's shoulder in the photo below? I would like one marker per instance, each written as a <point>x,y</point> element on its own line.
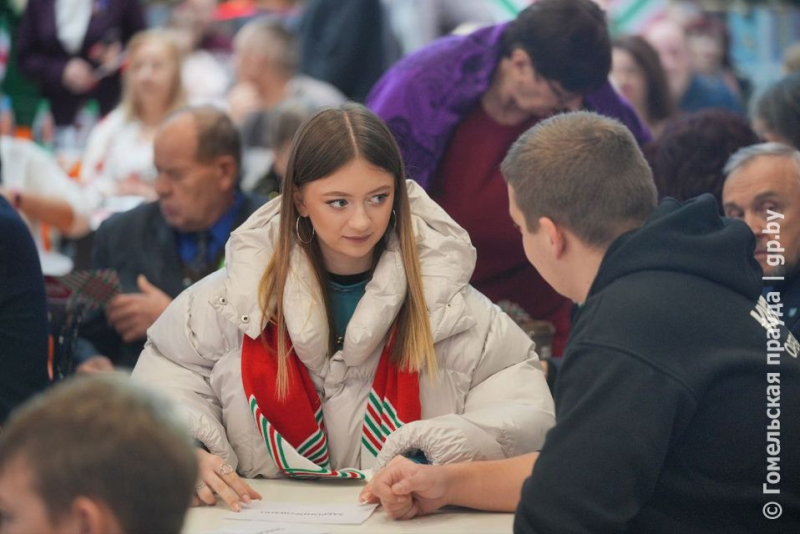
<point>641,300</point>
<point>486,316</point>
<point>705,91</point>
<point>318,92</point>
<point>11,224</point>
<point>203,311</point>
<point>252,201</point>
<point>673,321</point>
<point>111,123</point>
<point>126,221</point>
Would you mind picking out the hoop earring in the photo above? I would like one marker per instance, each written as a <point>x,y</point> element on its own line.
<point>297,231</point>
<point>394,219</point>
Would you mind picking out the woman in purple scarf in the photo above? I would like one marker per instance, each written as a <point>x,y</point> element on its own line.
<point>457,105</point>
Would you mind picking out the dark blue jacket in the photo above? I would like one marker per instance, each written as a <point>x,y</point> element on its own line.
<point>23,314</point>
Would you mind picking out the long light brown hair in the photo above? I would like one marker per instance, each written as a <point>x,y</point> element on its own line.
<point>131,106</point>
<point>325,143</point>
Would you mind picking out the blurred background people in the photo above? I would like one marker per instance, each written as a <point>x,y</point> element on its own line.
<point>267,59</point>
<point>709,43</point>
<point>347,43</point>
<point>23,92</point>
<point>689,157</point>
<point>691,91</point>
<point>791,59</point>
<point>637,74</point>
<point>119,152</point>
<point>73,49</point>
<point>763,185</point>
<point>206,67</point>
<point>97,456</point>
<point>162,247</point>
<point>202,16</point>
<point>51,202</point>
<point>776,113</point>
<point>265,169</point>
<point>23,314</point>
<point>418,22</point>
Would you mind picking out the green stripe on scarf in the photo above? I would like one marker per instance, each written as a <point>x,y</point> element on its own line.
<point>293,427</point>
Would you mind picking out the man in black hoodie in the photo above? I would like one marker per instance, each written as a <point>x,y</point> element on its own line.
<point>678,402</point>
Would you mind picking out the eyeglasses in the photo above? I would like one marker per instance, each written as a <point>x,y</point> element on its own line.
<point>564,97</point>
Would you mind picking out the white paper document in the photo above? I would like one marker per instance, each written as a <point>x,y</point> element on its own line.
<point>330,514</point>
<point>266,527</point>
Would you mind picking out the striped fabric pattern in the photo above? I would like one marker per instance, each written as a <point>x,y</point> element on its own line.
<point>380,420</point>
<point>295,437</point>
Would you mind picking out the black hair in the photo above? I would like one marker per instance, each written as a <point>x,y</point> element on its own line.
<point>567,40</point>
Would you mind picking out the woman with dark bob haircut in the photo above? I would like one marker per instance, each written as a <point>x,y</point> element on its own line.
<point>776,114</point>
<point>343,331</point>
<point>637,73</point>
<point>689,157</point>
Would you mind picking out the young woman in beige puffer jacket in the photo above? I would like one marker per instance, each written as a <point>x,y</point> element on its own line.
<point>278,377</point>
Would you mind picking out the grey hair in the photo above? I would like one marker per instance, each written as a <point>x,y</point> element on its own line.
<point>745,155</point>
<point>271,40</point>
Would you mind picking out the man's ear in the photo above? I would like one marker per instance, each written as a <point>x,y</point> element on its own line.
<point>299,203</point>
<point>228,170</point>
<point>90,516</point>
<point>554,235</point>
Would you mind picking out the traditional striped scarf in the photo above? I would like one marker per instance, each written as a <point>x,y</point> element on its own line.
<point>293,428</point>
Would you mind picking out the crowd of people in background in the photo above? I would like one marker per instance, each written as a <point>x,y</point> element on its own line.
<point>184,151</point>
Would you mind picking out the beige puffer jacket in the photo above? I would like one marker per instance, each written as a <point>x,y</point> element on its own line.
<point>489,399</point>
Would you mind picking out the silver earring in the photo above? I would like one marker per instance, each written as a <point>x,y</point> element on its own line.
<point>297,231</point>
<point>394,219</point>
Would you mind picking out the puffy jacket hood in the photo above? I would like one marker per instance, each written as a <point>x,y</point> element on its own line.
<point>447,259</point>
<point>690,238</point>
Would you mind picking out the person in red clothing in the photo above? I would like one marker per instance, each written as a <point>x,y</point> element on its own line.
<point>457,105</point>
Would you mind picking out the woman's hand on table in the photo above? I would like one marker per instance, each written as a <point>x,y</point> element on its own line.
<point>406,489</point>
<point>215,476</point>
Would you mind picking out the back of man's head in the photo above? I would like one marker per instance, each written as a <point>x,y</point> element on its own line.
<point>567,40</point>
<point>584,172</point>
<point>104,439</point>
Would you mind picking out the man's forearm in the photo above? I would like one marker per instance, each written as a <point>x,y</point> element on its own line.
<point>493,486</point>
<point>47,210</point>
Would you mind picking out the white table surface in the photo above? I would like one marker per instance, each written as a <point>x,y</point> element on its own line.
<point>448,521</point>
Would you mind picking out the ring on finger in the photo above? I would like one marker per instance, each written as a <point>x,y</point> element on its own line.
<point>199,487</point>
<point>225,469</point>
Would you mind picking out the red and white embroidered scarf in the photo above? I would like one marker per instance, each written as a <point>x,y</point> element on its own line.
<point>293,428</point>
